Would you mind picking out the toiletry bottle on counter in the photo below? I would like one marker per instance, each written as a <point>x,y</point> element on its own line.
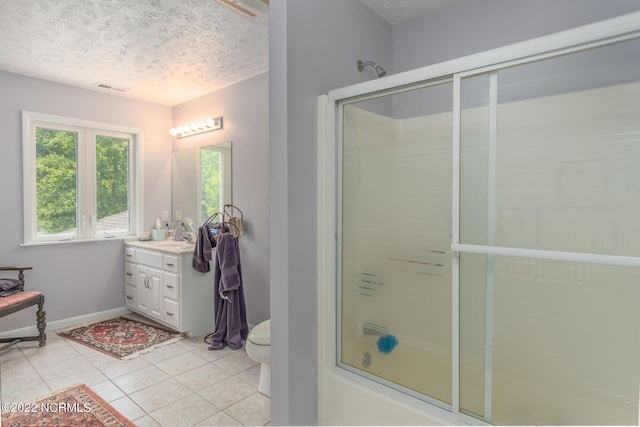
<point>177,234</point>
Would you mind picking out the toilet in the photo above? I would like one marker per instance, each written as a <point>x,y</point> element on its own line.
<point>258,348</point>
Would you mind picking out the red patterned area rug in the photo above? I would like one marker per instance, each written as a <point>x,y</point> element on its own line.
<point>75,406</point>
<point>121,337</point>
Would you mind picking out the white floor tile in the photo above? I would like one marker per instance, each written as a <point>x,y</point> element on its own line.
<point>181,363</point>
<point>128,408</point>
<point>108,391</point>
<point>187,411</point>
<point>255,410</point>
<point>220,419</point>
<point>183,379</point>
<point>137,380</point>
<point>251,375</point>
<point>236,363</point>
<point>203,376</point>
<point>227,392</point>
<point>160,394</point>
<point>165,352</point>
<point>146,421</point>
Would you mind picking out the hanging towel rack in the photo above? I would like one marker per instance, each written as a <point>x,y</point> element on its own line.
<point>232,207</point>
<point>228,218</point>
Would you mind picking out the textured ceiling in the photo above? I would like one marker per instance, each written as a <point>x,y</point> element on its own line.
<point>398,11</point>
<point>162,51</point>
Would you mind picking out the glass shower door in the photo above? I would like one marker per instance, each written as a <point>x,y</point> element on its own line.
<point>395,261</point>
<point>549,203</point>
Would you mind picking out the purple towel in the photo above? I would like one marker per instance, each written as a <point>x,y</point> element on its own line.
<point>228,301</point>
<point>10,287</point>
<point>203,251</point>
<point>7,284</point>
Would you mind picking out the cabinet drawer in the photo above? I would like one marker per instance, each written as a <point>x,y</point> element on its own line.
<point>171,313</point>
<point>171,263</point>
<point>130,273</point>
<point>130,296</point>
<point>153,259</point>
<point>130,254</point>
<point>172,286</point>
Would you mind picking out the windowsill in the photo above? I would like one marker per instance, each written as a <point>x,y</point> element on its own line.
<point>72,241</point>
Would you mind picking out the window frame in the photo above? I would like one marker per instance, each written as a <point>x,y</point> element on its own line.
<point>86,203</point>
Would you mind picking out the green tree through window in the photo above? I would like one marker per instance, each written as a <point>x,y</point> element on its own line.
<point>210,178</point>
<point>112,178</point>
<point>68,161</point>
<point>56,166</point>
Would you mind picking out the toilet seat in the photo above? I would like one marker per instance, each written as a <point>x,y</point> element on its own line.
<point>261,333</point>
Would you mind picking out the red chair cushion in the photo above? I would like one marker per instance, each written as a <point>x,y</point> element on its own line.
<point>18,298</point>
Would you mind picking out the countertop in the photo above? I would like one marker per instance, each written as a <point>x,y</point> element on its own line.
<point>169,245</point>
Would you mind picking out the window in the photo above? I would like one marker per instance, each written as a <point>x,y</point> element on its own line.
<point>215,179</point>
<point>80,179</point>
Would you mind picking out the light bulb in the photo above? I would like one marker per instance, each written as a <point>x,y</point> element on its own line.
<point>173,131</point>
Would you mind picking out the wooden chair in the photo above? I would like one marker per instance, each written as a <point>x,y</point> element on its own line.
<point>21,300</point>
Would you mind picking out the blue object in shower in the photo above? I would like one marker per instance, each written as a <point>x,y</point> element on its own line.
<point>387,343</point>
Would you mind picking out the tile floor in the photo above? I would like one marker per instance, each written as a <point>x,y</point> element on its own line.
<point>180,384</point>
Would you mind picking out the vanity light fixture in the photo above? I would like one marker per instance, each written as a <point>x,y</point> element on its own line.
<point>195,128</point>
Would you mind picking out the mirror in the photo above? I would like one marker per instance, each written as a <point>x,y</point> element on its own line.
<point>200,182</point>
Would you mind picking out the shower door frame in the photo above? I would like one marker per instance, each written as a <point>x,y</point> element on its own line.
<point>339,149</point>
<point>625,27</point>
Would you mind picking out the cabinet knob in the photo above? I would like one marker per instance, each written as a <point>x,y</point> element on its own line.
<point>170,314</point>
<point>129,274</point>
<point>170,286</point>
<point>170,264</point>
<point>129,297</point>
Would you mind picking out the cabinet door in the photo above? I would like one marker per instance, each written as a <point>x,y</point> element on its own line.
<point>149,291</point>
<point>156,292</point>
<point>142,290</point>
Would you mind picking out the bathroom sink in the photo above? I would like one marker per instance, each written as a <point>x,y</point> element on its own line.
<point>167,245</point>
<point>172,245</point>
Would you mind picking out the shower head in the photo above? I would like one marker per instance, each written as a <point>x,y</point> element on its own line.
<point>380,72</point>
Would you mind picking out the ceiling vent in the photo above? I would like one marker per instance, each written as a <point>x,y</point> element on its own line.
<point>109,87</point>
<point>250,8</point>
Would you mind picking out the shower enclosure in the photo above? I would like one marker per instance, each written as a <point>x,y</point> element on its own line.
<point>487,233</point>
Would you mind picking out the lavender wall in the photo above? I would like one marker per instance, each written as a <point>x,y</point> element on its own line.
<point>77,278</point>
<point>471,26</point>
<point>245,110</point>
<point>314,46</point>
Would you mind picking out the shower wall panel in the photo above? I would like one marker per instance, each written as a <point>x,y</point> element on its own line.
<point>396,269</point>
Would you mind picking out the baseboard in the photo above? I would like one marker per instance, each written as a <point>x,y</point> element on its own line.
<point>69,322</point>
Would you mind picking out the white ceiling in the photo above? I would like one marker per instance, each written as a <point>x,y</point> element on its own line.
<point>398,11</point>
<point>161,51</point>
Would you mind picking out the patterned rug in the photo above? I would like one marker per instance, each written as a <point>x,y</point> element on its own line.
<point>75,406</point>
<point>121,337</point>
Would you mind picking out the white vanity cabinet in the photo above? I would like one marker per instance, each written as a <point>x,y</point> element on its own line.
<point>161,285</point>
